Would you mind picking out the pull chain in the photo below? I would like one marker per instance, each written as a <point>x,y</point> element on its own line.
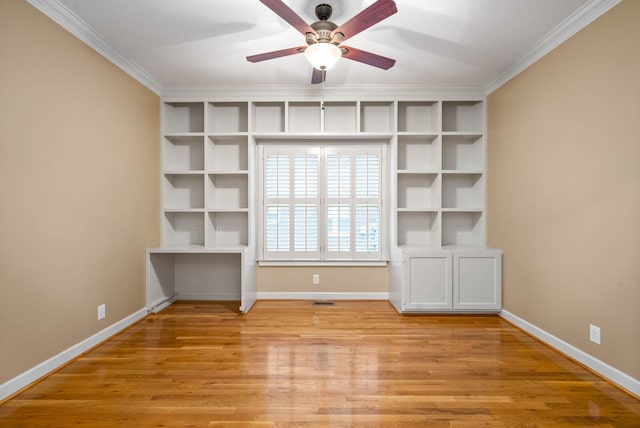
<point>322,92</point>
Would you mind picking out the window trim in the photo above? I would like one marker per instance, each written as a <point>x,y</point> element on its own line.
<point>382,145</point>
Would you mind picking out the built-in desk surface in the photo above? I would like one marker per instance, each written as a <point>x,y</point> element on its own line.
<point>200,273</point>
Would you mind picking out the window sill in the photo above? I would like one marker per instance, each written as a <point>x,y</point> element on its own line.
<point>322,262</point>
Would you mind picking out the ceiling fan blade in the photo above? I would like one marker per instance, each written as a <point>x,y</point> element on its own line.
<point>286,13</point>
<point>275,54</point>
<point>318,76</point>
<point>367,57</point>
<point>375,13</point>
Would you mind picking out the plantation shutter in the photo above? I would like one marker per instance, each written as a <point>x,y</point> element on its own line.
<point>291,203</point>
<point>322,203</point>
<point>368,203</point>
<point>354,202</point>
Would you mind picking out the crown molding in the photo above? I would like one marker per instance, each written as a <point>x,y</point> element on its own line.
<point>329,92</point>
<point>68,20</point>
<point>567,28</point>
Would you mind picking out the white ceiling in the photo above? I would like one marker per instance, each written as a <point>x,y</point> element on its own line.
<point>439,43</point>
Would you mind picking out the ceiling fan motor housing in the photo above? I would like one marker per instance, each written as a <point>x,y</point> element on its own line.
<point>324,31</point>
<point>323,28</point>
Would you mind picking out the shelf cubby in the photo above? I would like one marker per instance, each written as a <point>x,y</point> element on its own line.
<point>304,117</point>
<point>376,116</point>
<point>183,229</point>
<point>227,117</point>
<point>340,117</point>
<point>418,229</point>
<point>227,191</point>
<point>268,117</point>
<point>227,153</point>
<point>418,116</point>
<point>183,118</point>
<point>462,191</point>
<point>183,191</point>
<point>462,152</point>
<point>462,116</point>
<point>418,153</point>
<point>183,153</point>
<point>227,229</point>
<point>418,191</point>
<point>462,229</point>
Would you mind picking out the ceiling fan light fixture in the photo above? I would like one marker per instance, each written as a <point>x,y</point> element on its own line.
<point>323,55</point>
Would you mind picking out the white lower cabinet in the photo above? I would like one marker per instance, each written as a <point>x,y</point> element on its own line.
<point>477,280</point>
<point>427,281</point>
<point>451,281</point>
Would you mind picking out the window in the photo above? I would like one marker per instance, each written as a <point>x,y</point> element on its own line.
<point>322,202</point>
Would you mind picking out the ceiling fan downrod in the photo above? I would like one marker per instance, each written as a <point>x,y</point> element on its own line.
<point>324,11</point>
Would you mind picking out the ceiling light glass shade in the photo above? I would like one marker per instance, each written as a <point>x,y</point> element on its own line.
<point>323,55</point>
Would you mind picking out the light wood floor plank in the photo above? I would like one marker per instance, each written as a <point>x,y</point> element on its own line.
<point>290,364</point>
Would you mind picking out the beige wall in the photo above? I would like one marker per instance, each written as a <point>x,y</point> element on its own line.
<point>365,279</point>
<point>564,189</point>
<point>79,193</point>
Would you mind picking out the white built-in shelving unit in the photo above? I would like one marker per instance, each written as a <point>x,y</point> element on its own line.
<point>440,174</point>
<point>205,184</point>
<point>442,263</point>
<point>206,250</point>
<point>436,178</point>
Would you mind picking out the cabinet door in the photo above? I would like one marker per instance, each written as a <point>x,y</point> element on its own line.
<point>477,280</point>
<point>427,281</point>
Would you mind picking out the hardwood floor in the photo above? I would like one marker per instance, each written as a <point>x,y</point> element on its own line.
<point>299,364</point>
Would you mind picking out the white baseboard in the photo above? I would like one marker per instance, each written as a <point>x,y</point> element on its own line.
<point>17,383</point>
<point>605,370</point>
<point>320,296</point>
<point>208,297</point>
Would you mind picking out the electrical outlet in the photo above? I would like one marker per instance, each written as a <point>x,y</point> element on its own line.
<point>594,333</point>
<point>316,279</point>
<point>102,311</point>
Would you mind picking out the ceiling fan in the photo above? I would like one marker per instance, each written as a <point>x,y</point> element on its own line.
<point>323,37</point>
